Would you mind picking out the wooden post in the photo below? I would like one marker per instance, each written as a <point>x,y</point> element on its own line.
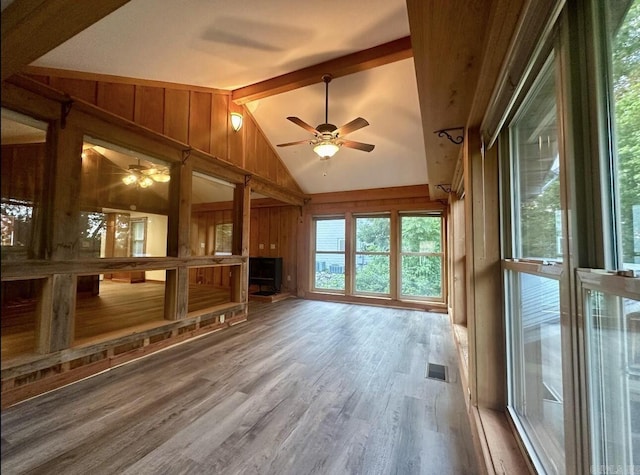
<point>240,244</point>
<point>55,325</point>
<point>487,372</point>
<point>176,296</point>
<point>457,259</point>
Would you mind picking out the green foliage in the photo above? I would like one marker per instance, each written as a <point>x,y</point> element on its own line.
<point>538,223</point>
<point>330,281</point>
<point>626,91</point>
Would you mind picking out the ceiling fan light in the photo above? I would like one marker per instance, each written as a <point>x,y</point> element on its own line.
<point>326,149</point>
<point>129,179</point>
<point>145,182</point>
<point>161,177</point>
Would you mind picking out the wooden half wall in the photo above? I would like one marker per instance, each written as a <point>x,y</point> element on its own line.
<point>199,117</point>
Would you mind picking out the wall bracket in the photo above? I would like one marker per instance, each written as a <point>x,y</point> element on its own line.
<point>446,187</point>
<point>186,153</point>
<point>65,108</point>
<point>445,133</point>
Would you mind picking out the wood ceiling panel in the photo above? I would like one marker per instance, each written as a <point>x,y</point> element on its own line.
<point>448,40</point>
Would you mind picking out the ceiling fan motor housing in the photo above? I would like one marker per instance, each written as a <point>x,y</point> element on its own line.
<point>326,131</point>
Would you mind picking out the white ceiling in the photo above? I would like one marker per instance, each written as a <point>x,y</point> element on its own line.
<point>229,44</point>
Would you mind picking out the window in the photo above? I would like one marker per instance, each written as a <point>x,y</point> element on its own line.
<point>533,288</point>
<point>372,254</point>
<point>536,164</point>
<point>536,392</point>
<point>124,202</point>
<point>393,255</point>
<point>623,45</point>
<point>138,235</point>
<point>329,259</point>
<point>421,256</point>
<point>224,233</point>
<point>24,157</point>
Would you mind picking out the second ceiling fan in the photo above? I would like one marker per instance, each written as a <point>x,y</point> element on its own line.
<point>327,137</point>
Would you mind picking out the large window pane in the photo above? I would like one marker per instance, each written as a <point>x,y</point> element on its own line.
<point>24,158</point>
<point>536,392</point>
<point>613,348</point>
<point>329,271</point>
<point>422,276</point>
<point>372,254</point>
<point>329,257</point>
<point>421,258</point>
<point>330,235</point>
<point>623,29</point>
<point>372,274</point>
<point>536,165</point>
<point>124,203</point>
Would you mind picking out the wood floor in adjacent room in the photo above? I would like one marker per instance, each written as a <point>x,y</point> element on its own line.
<point>302,387</point>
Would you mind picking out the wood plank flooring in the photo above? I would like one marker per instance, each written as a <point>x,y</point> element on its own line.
<point>120,306</point>
<point>302,387</point>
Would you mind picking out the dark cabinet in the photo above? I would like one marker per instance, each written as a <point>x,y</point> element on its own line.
<point>266,273</point>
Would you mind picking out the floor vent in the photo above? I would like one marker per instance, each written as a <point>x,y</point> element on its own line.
<point>437,371</point>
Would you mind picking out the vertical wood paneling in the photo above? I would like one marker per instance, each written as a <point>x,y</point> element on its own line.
<point>219,146</point>
<point>263,230</point>
<point>200,120</point>
<point>250,146</point>
<point>149,107</point>
<point>274,232</point>
<point>116,98</point>
<point>176,114</point>
<point>253,234</point>
<point>80,88</point>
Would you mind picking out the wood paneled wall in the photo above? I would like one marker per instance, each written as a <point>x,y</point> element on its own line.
<point>273,233</point>
<point>197,117</point>
<point>23,171</point>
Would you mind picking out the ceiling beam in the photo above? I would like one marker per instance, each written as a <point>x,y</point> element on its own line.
<point>352,63</point>
<point>32,28</point>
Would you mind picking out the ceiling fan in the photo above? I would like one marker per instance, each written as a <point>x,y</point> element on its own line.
<point>327,137</point>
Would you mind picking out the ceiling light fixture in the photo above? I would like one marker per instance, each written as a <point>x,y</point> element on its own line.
<point>326,149</point>
<point>236,121</point>
<point>144,176</point>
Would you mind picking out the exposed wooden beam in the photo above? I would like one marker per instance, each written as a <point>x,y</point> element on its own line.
<point>352,63</point>
<point>31,28</point>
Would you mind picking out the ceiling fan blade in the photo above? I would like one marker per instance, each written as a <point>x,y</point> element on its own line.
<point>352,126</point>
<point>304,125</point>
<point>365,147</point>
<point>293,143</point>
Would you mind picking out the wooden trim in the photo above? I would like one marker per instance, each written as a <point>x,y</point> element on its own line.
<point>17,270</point>
<point>352,63</point>
<point>435,307</point>
<point>391,193</point>
<point>86,76</point>
<point>265,187</point>
<point>46,24</point>
<point>530,37</point>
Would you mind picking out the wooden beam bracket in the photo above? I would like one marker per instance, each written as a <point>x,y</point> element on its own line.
<point>186,153</point>
<point>247,180</point>
<point>65,108</point>
<point>445,133</point>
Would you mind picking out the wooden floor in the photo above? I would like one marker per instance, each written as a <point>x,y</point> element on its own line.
<point>302,387</point>
<point>119,307</point>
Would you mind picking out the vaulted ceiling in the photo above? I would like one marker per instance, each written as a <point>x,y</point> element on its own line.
<point>239,45</point>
